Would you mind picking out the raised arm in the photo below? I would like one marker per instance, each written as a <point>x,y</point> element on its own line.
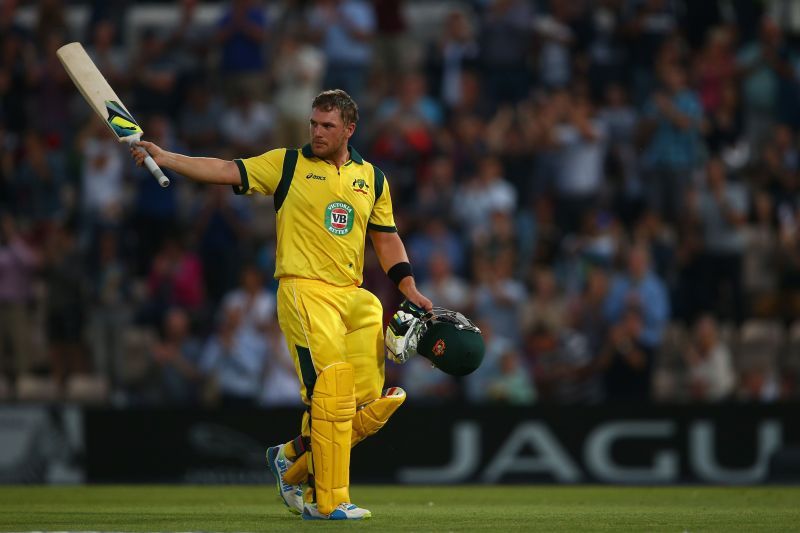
<point>200,169</point>
<point>393,258</point>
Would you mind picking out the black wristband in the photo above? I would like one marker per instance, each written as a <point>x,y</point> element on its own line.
<point>400,271</point>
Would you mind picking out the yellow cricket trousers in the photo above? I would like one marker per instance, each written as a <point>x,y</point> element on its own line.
<point>325,324</point>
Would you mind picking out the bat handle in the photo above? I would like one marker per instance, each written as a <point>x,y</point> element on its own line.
<point>154,169</point>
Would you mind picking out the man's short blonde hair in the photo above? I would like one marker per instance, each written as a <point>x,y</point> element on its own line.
<point>337,99</point>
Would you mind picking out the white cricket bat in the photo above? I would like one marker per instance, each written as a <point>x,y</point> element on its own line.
<point>99,94</point>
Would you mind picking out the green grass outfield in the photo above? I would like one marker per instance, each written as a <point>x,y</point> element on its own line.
<point>459,508</point>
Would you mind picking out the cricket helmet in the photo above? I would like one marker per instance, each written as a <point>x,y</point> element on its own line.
<point>451,342</point>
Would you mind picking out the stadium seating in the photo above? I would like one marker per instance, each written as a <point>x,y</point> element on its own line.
<point>87,389</point>
<point>32,388</point>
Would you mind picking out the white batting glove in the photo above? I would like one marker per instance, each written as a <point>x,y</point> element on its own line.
<point>402,336</point>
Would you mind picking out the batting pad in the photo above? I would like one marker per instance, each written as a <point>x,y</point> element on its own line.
<point>370,418</point>
<point>333,406</point>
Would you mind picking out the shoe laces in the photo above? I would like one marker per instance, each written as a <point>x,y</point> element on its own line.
<point>344,506</point>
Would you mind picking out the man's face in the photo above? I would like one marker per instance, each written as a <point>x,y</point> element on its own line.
<point>328,132</point>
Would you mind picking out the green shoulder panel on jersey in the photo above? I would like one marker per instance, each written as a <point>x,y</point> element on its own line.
<point>287,173</point>
<point>380,179</point>
<point>241,189</point>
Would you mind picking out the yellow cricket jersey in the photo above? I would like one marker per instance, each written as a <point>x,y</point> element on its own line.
<point>323,214</point>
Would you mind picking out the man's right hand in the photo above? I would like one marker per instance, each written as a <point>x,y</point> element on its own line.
<point>403,332</point>
<point>153,149</point>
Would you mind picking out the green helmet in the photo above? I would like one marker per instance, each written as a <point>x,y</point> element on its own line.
<point>451,342</point>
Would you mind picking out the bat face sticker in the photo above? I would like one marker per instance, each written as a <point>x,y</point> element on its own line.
<point>120,120</point>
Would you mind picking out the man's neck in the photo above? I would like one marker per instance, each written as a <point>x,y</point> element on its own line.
<point>340,158</point>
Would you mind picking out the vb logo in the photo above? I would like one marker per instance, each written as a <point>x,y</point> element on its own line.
<point>339,218</point>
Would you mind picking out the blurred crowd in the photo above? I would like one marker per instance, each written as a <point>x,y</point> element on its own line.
<point>609,188</point>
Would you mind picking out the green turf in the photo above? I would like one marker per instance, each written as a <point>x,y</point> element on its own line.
<point>461,508</point>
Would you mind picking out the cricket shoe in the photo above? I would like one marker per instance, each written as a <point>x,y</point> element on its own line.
<point>292,495</point>
<point>343,511</point>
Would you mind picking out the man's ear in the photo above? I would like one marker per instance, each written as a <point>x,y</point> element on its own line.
<point>350,129</point>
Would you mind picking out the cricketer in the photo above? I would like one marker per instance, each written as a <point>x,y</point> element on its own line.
<point>327,199</point>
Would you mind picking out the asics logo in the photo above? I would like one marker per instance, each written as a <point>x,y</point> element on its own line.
<point>312,176</point>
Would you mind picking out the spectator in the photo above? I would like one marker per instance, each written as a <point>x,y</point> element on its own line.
<point>66,285</point>
<point>504,46</point>
<point>175,280</point>
<point>476,385</point>
<point>427,384</point>
<point>110,312</point>
<point>155,77</point>
<point>621,119</point>
<point>392,47</point>
<point>564,368</point>
<point>279,387</point>
<point>241,34</point>
<point>789,262</point>
<point>547,305</point>
<point>711,374</point>
<point>604,47</point>
<point>39,181</point>
<point>555,38</point>
<point>651,231</point>
<point>297,73</point>
<point>715,68</point>
<point>221,227</point>
<point>722,209</point>
<point>497,238</point>
<point>579,143</point>
<point>484,194</point>
<point>255,304</point>
<point>18,261</point>
<point>111,59</point>
<point>646,26</point>
<point>454,52</point>
<point>435,195</point>
<point>626,362</point>
<point>190,41</point>
<point>101,176</point>
<point>199,119</point>
<point>50,20</point>
<point>724,128</point>
<point>513,386</point>
<point>234,358</point>
<point>247,124</point>
<point>154,208</point>
<point>411,107</point>
<point>15,54</point>
<point>435,237</point>
<point>498,297</point>
<point>50,82</point>
<point>346,29</point>
<point>763,66</point>
<point>586,310</point>
<point>444,286</point>
<point>177,356</point>
<point>672,120</point>
<point>760,261</point>
<point>642,291</point>
<point>405,124</point>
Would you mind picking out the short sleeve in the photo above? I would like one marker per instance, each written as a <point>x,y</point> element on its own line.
<point>261,173</point>
<point>382,217</point>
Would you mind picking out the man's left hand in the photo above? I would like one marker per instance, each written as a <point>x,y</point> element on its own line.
<point>409,289</point>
